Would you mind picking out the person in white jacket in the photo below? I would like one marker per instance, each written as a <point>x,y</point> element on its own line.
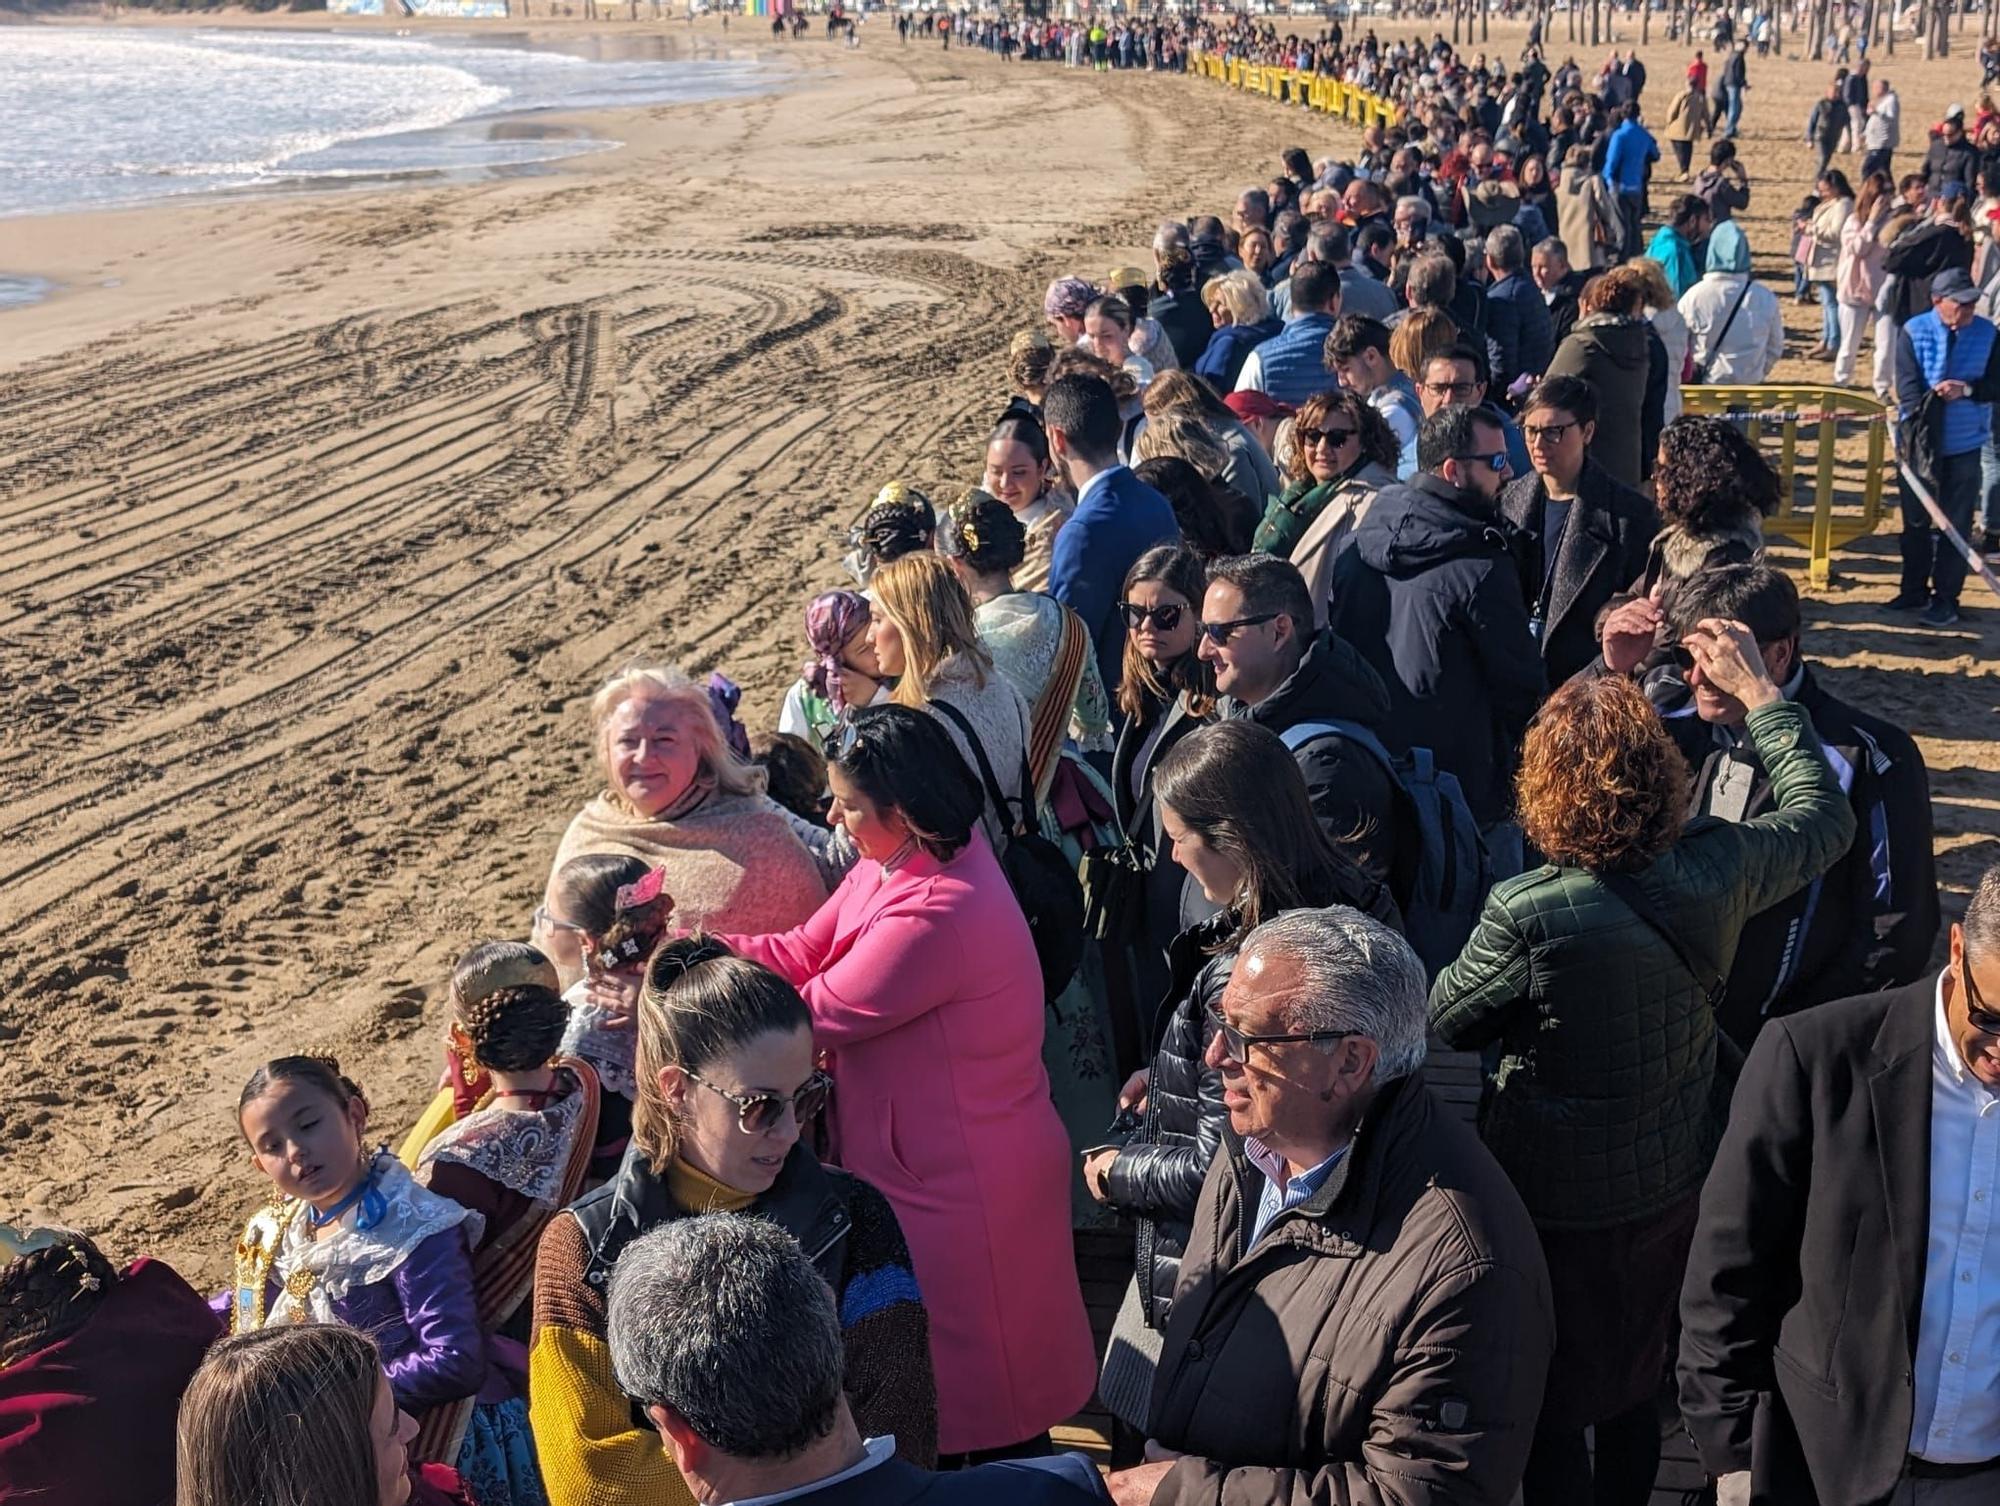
<point>1734,325</point>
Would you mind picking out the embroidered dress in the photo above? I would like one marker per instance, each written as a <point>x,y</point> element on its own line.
<point>519,1161</point>
<point>397,1265</point>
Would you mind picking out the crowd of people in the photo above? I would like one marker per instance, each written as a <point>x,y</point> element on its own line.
<point>1343,641</point>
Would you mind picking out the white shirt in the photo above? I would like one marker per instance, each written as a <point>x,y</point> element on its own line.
<point>877,1451</point>
<point>1756,338</point>
<point>1957,1413</point>
<point>1251,377</point>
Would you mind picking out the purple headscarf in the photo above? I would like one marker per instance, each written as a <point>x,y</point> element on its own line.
<point>1068,297</point>
<point>723,699</point>
<point>832,618</point>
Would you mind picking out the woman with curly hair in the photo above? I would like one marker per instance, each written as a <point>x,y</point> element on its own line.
<point>1714,490</point>
<point>1594,979</point>
<point>1344,453</point>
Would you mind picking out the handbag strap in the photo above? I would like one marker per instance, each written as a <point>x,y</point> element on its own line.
<point>1734,309</point>
<point>1627,889</point>
<point>1000,801</point>
<point>1050,716</point>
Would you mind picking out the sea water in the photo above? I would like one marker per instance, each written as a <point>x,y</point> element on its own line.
<point>96,117</point>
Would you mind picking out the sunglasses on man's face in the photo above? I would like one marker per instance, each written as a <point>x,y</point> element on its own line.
<point>1310,438</point>
<point>759,1113</point>
<point>1977,1015</point>
<point>1220,633</point>
<point>1496,462</point>
<point>1166,618</point>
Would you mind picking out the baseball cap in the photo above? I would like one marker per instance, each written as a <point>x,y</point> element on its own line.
<point>1954,284</point>
<point>1956,112</point>
<point>1952,189</point>
<point>1249,404</point>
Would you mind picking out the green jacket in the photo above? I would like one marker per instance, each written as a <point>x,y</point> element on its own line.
<point>1605,1104</point>
<point>1289,514</point>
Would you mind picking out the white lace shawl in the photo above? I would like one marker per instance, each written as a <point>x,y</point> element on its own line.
<point>355,1257</point>
<point>611,1052</point>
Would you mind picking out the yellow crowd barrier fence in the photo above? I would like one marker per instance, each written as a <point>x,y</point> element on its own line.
<point>1849,469</point>
<point>1290,86</point>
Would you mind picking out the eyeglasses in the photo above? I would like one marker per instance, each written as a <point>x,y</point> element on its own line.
<point>1165,618</point>
<point>1451,389</point>
<point>542,918</point>
<point>758,1113</point>
<point>1497,461</point>
<point>1236,1045</point>
<point>1307,438</point>
<point>1548,433</point>
<point>1977,1015</point>
<point>1220,633</point>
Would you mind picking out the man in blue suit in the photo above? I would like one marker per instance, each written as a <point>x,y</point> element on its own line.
<point>1118,517</point>
<point>722,1330</point>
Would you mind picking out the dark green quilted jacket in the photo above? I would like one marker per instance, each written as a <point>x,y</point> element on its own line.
<point>1605,1105</point>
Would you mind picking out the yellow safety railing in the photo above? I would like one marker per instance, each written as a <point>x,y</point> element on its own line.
<point>1841,510</point>
<point>1291,86</point>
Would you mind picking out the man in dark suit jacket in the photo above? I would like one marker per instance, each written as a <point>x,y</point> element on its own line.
<point>1582,535</point>
<point>1517,319</point>
<point>1118,517</point>
<point>1843,1290</point>
<point>723,1331</point>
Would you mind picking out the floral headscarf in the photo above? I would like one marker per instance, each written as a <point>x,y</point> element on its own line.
<point>832,618</point>
<point>1068,297</point>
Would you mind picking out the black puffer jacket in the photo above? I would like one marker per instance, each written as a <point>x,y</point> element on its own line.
<point>1158,1176</point>
<point>1429,592</point>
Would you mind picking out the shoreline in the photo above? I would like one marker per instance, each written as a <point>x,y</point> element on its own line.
<point>577,122</point>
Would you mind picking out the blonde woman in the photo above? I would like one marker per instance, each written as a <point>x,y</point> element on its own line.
<point>922,627</point>
<point>1241,309</point>
<point>678,797</point>
<point>1423,333</point>
<point>1663,309</point>
<point>728,1082</point>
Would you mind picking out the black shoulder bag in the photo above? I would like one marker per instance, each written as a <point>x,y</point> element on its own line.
<point>1044,884</point>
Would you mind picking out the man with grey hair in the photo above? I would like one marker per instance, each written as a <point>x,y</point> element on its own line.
<point>723,1332</point>
<point>1517,320</point>
<point>1363,1311</point>
<point>1842,1299</point>
<point>1253,210</point>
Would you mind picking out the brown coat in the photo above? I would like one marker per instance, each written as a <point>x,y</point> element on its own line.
<point>1386,1341</point>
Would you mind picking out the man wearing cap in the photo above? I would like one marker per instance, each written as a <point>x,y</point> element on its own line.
<point>1947,376</point>
<point>1261,414</point>
<point>1951,158</point>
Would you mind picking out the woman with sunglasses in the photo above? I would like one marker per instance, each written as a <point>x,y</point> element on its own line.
<point>1344,453</point>
<point>1591,984</point>
<point>1234,805</point>
<point>926,992</point>
<point>728,1084</point>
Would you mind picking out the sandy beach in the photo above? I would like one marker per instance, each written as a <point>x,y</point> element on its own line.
<point>321,516</point>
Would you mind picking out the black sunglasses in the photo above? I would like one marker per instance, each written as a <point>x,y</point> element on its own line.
<point>1307,438</point>
<point>1220,633</point>
<point>1236,1045</point>
<point>1497,461</point>
<point>1977,1015</point>
<point>1165,618</point>
<point>757,1113</point>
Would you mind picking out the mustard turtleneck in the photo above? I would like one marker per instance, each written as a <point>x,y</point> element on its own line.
<point>698,1192</point>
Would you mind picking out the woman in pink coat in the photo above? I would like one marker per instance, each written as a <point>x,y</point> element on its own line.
<point>922,980</point>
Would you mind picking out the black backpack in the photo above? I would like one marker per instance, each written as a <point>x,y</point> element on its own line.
<point>1043,880</point>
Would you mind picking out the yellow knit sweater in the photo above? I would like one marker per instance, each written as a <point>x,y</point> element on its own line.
<point>591,1451</point>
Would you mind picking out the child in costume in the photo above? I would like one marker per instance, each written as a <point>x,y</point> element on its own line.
<point>605,916</point>
<point>353,1238</point>
<point>511,1139</point>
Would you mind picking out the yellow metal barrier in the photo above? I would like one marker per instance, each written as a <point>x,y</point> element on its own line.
<point>1328,96</point>
<point>1840,513</point>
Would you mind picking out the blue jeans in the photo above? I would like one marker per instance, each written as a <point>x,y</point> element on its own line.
<point>1829,316</point>
<point>1734,95</point>
<point>1989,481</point>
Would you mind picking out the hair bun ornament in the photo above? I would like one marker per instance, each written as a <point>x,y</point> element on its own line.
<point>643,892</point>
